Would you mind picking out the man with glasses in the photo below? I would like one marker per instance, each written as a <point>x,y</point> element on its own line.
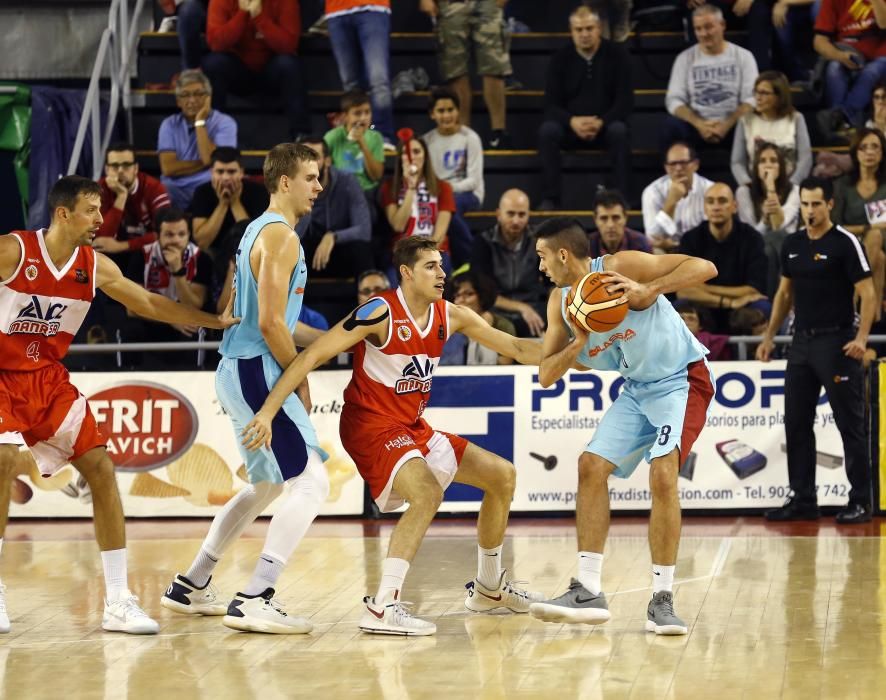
<point>370,283</point>
<point>674,203</point>
<point>711,85</point>
<point>130,202</point>
<point>187,140</point>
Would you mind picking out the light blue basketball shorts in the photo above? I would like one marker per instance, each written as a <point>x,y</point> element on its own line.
<point>651,419</point>
<point>242,385</point>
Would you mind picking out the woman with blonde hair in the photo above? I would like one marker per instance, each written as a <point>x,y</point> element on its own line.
<point>775,121</point>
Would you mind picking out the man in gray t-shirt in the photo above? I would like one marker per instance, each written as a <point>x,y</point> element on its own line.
<point>711,85</point>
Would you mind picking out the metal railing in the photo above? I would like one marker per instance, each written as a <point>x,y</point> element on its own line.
<point>115,49</point>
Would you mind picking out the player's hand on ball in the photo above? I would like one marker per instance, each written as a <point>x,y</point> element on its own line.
<point>638,295</point>
<point>258,432</point>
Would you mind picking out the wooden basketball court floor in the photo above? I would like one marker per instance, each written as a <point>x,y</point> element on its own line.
<point>774,612</point>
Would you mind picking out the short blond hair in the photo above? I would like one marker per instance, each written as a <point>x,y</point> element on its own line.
<point>284,159</point>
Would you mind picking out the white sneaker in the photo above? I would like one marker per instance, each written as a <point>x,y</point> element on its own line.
<point>505,595</point>
<point>4,617</point>
<point>393,618</point>
<point>124,615</point>
<point>261,613</point>
<point>184,597</point>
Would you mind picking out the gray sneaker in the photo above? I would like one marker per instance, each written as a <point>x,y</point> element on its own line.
<point>661,617</point>
<point>577,604</point>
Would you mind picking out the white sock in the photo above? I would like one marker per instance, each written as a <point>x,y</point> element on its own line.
<point>393,573</point>
<point>114,565</point>
<point>202,568</point>
<point>489,566</point>
<point>267,571</point>
<point>590,571</point>
<point>662,578</point>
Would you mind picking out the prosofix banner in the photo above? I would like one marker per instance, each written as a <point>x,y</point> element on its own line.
<point>177,455</point>
<point>175,451</point>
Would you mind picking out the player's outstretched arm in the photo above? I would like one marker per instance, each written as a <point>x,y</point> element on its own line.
<point>369,319</point>
<point>559,352</point>
<point>642,276</point>
<point>524,350</point>
<point>154,306</point>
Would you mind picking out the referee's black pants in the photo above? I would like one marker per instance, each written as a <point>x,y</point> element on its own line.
<point>816,360</point>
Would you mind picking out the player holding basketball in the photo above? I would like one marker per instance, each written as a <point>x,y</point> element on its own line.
<point>398,336</point>
<point>269,278</point>
<point>659,413</point>
<point>48,280</point>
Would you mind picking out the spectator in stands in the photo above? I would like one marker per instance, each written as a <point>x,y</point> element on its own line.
<point>773,121</point>
<point>792,19</point>
<point>175,267</point>
<point>130,203</point>
<point>849,35</point>
<point>479,23</point>
<point>755,17</point>
<point>226,199</point>
<point>190,25</point>
<point>612,234</point>
<point>711,85</point>
<point>187,140</point>
<point>456,154</point>
<point>477,293</point>
<point>674,203</point>
<point>370,283</point>
<point>253,47</point>
<point>738,252</point>
<point>506,254</point>
<point>415,202</point>
<point>337,238</point>
<point>771,204</point>
<point>356,148</point>
<point>878,102</point>
<point>697,319</point>
<point>588,99</point>
<point>830,164</point>
<point>359,32</point>
<point>860,201</point>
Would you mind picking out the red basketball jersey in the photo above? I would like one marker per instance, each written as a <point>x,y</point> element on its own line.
<point>42,307</point>
<point>394,380</point>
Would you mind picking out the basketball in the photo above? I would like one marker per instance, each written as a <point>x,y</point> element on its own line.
<point>592,307</point>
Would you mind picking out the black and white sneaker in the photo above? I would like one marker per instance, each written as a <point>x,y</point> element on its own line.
<point>261,613</point>
<point>184,597</point>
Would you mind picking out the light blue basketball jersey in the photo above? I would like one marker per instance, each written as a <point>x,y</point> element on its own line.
<point>647,346</point>
<point>245,340</point>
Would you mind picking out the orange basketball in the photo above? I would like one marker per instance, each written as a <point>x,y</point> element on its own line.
<point>592,307</point>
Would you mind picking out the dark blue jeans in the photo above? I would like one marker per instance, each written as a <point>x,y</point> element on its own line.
<point>361,44</point>
<point>850,91</point>
<point>281,76</point>
<point>191,24</point>
<point>799,22</point>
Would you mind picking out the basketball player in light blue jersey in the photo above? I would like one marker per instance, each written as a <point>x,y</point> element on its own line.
<point>658,415</point>
<point>269,280</point>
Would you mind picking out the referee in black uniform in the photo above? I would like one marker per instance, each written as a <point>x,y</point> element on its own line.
<point>822,267</point>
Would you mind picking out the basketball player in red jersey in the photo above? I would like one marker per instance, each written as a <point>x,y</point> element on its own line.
<point>398,337</point>
<point>48,280</point>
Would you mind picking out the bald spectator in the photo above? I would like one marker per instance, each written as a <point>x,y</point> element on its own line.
<point>187,140</point>
<point>506,254</point>
<point>711,85</point>
<point>612,234</point>
<point>738,252</point>
<point>131,200</point>
<point>675,202</point>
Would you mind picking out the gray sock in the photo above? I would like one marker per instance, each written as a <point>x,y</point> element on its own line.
<point>267,571</point>
<point>201,569</point>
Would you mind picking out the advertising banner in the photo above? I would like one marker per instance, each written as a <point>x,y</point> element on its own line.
<point>177,454</point>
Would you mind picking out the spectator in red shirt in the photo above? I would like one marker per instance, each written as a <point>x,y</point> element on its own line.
<point>849,34</point>
<point>415,201</point>
<point>130,202</point>
<point>253,49</point>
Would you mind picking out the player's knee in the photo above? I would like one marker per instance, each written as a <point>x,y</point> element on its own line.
<point>100,472</point>
<point>593,469</point>
<point>506,477</point>
<point>428,498</point>
<point>8,459</point>
<point>663,478</point>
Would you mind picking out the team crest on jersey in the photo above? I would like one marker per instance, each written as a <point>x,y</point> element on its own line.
<point>81,276</point>
<point>31,272</point>
<point>36,319</point>
<point>415,377</point>
<point>404,333</point>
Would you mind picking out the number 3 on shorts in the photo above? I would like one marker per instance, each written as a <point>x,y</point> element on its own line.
<point>664,434</point>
